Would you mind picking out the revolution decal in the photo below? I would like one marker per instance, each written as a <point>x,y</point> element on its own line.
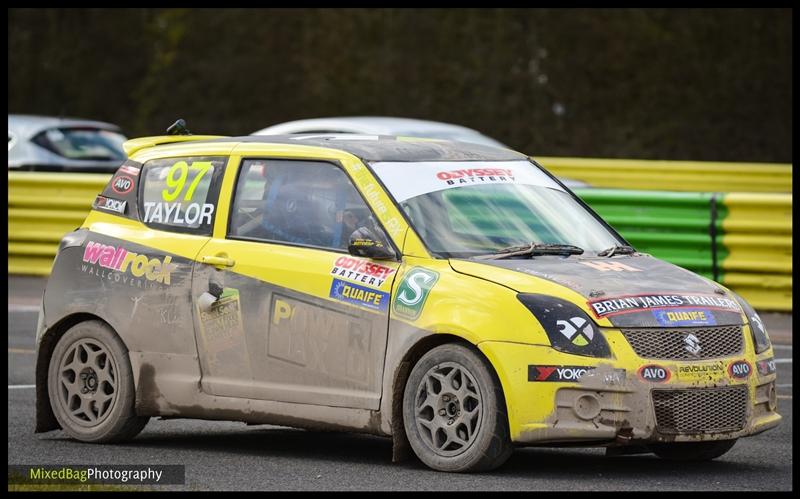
<point>359,295</point>
<point>740,369</point>
<point>117,258</point>
<point>637,303</point>
<point>688,317</point>
<point>695,372</point>
<point>766,366</point>
<point>436,176</point>
<point>654,373</point>
<point>413,291</point>
<point>110,204</point>
<point>361,271</point>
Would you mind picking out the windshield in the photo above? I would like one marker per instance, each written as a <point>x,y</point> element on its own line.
<point>90,144</point>
<point>463,209</point>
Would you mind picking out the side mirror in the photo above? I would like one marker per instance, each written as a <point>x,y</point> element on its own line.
<point>364,243</point>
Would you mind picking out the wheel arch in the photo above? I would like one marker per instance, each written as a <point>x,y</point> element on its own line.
<point>401,448</point>
<point>45,419</point>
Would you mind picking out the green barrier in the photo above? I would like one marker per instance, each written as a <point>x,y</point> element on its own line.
<point>751,233</point>
<point>674,226</point>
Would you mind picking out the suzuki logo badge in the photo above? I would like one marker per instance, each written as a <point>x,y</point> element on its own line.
<point>692,344</point>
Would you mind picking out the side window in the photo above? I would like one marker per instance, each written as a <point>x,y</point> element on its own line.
<point>310,203</point>
<point>180,194</point>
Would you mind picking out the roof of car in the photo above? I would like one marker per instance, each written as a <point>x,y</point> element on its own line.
<point>370,124</point>
<point>388,147</point>
<point>380,125</point>
<point>28,125</point>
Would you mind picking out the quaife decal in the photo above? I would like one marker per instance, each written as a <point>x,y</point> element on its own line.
<point>611,266</point>
<point>122,184</point>
<point>688,317</point>
<point>577,330</point>
<point>766,366</point>
<point>110,204</point>
<point>361,271</point>
<point>740,369</point>
<point>119,259</point>
<point>654,373</point>
<point>359,295</point>
<point>557,373</point>
<point>412,292</point>
<point>636,303</point>
<point>171,213</point>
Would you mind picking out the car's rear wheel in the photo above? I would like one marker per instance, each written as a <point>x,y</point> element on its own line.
<point>692,451</point>
<point>90,383</point>
<point>454,411</point>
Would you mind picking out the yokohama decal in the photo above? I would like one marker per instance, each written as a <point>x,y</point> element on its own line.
<point>557,373</point>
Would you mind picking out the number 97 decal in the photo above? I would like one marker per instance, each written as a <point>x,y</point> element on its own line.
<point>177,176</point>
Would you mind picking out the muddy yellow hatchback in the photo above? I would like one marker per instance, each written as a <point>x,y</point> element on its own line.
<point>453,296</point>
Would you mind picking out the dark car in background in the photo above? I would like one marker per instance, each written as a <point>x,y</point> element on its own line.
<point>45,143</point>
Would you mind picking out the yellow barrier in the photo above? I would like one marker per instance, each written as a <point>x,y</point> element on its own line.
<point>758,237</point>
<point>42,207</point>
<point>698,176</point>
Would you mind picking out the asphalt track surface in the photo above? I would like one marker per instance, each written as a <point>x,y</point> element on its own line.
<point>233,456</point>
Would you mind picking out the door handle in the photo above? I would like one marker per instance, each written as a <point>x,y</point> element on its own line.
<point>218,261</point>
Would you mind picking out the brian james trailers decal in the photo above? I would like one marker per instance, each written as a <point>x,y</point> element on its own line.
<point>637,303</point>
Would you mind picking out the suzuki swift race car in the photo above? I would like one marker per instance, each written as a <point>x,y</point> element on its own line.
<point>456,297</point>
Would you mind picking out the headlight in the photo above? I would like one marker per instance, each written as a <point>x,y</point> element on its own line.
<point>569,328</point>
<point>760,337</point>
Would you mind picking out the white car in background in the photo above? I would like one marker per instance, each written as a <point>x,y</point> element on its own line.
<point>46,143</point>
<point>380,125</point>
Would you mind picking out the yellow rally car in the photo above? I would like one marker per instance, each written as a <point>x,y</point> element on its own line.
<point>453,296</point>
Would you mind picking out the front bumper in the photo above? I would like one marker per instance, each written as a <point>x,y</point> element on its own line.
<point>550,400</point>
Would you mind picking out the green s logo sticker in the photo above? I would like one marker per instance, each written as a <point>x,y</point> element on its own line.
<point>413,291</point>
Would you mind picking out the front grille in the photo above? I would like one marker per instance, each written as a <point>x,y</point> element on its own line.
<point>671,344</point>
<point>700,410</point>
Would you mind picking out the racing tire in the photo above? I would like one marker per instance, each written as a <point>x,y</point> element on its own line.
<point>90,385</point>
<point>454,412</point>
<point>692,451</point>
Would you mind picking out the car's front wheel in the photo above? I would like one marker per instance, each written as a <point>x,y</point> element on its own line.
<point>692,451</point>
<point>454,411</point>
<point>90,383</point>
